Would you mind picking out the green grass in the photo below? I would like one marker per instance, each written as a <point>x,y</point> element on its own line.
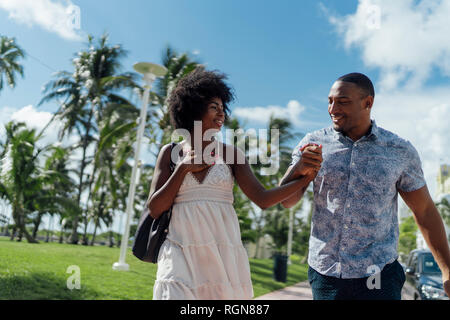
<point>38,271</point>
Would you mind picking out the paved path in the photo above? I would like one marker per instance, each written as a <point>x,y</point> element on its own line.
<point>299,291</point>
<point>302,291</point>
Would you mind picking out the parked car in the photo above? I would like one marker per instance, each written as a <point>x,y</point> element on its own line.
<point>424,275</point>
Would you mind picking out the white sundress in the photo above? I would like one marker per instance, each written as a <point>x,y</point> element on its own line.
<point>203,257</point>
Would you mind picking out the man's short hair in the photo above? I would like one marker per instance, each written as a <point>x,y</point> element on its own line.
<point>361,80</point>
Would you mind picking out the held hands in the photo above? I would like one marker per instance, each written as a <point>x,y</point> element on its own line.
<point>311,161</point>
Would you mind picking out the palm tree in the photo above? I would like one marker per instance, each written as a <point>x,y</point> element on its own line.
<point>275,221</point>
<point>117,131</point>
<point>19,166</point>
<point>254,223</point>
<point>27,186</point>
<point>10,53</point>
<point>94,85</point>
<point>242,205</point>
<point>58,193</point>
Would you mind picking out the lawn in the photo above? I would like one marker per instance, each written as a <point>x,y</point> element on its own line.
<point>39,271</point>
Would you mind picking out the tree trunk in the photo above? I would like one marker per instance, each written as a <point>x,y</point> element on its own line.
<point>74,236</point>
<point>95,231</point>
<point>111,239</point>
<point>22,228</point>
<point>37,222</point>
<point>13,233</point>
<point>85,237</point>
<point>91,181</point>
<point>29,238</point>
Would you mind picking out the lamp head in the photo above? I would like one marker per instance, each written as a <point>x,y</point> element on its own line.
<point>150,68</point>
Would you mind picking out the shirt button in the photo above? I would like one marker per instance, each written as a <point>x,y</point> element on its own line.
<point>348,206</point>
<point>353,163</point>
<point>345,226</point>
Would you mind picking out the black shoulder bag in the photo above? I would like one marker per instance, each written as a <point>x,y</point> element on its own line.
<point>151,233</point>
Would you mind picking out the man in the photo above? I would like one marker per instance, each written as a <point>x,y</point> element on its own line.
<point>354,230</point>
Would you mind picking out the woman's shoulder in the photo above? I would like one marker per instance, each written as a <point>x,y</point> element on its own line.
<point>165,152</point>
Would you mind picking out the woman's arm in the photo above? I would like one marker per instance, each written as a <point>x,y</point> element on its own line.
<point>291,175</point>
<point>165,186</point>
<point>257,193</point>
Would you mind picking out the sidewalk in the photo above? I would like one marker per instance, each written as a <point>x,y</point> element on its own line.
<point>302,291</point>
<point>299,291</point>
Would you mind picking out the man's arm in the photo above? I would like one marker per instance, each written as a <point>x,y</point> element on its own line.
<point>430,224</point>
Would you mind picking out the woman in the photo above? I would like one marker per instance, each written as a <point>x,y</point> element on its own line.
<point>203,256</point>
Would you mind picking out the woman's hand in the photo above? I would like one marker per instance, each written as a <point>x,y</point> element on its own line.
<point>189,164</point>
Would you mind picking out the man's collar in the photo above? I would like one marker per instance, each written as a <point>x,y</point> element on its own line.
<point>373,131</point>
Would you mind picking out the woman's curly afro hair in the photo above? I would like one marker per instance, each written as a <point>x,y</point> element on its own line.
<point>190,98</point>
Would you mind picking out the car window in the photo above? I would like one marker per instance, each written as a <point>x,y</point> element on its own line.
<point>408,263</point>
<point>429,265</point>
<point>414,261</point>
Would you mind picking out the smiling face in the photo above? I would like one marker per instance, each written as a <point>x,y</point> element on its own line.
<point>348,107</point>
<point>214,116</point>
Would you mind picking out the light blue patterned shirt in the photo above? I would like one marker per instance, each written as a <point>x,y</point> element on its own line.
<point>355,223</point>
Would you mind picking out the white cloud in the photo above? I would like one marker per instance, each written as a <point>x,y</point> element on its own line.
<point>60,17</point>
<point>405,44</point>
<point>421,117</point>
<point>405,39</point>
<point>36,119</point>
<point>261,115</point>
<point>33,119</point>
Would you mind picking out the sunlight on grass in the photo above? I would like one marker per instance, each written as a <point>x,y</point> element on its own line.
<point>38,271</point>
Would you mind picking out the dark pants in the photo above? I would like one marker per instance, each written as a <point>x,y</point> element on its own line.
<point>392,278</point>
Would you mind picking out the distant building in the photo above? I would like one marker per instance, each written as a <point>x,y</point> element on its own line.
<point>443,180</point>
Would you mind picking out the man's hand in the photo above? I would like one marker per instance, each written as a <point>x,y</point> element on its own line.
<point>309,164</point>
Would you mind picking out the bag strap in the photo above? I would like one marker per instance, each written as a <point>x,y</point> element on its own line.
<point>172,164</point>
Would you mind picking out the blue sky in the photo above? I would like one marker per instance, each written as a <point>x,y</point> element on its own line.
<point>280,56</point>
<point>273,51</point>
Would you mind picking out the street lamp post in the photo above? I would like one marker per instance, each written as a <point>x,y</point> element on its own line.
<point>151,72</point>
